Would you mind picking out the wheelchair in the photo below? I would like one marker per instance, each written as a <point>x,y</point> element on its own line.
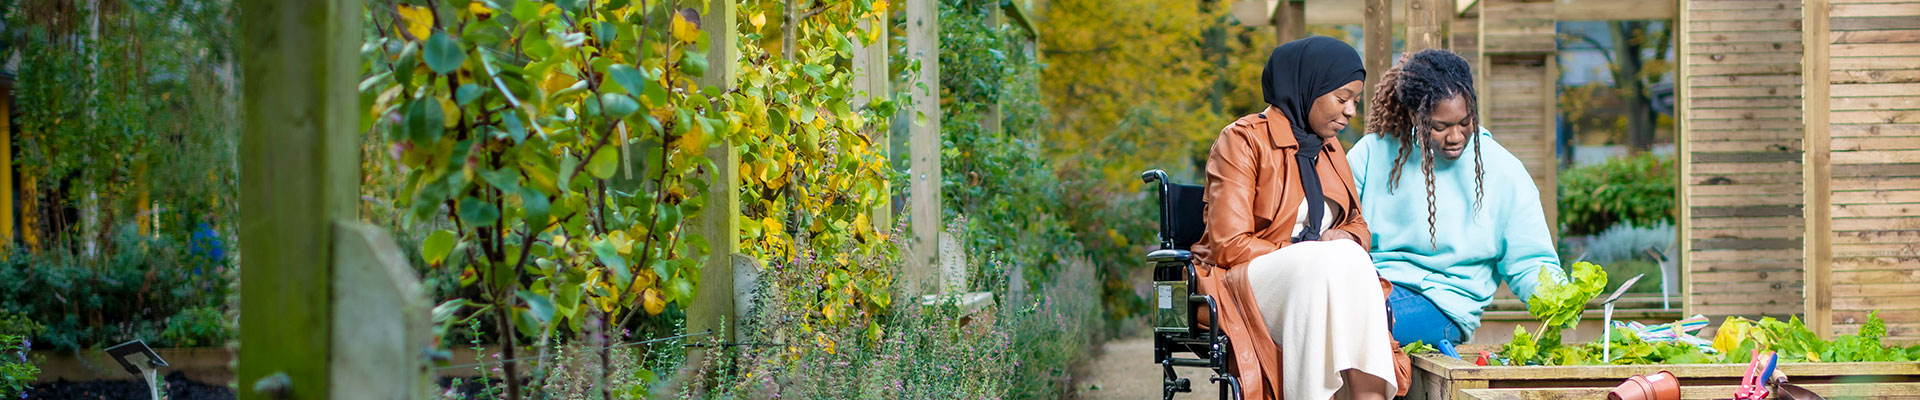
<point>1176,331</point>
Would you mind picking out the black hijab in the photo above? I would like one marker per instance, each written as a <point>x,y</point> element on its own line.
<point>1297,73</point>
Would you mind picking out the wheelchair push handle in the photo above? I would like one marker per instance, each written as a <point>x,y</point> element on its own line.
<point>1154,175</point>
<point>1166,232</point>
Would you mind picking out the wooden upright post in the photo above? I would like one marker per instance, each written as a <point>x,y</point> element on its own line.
<point>299,172</point>
<point>923,43</point>
<point>1426,24</point>
<point>1289,21</point>
<point>1817,173</point>
<point>992,121</point>
<point>1377,32</point>
<point>6,162</point>
<point>872,76</point>
<point>713,304</point>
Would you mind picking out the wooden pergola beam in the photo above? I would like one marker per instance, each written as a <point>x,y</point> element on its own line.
<point>1344,12</point>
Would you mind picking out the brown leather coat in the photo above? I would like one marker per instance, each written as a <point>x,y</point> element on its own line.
<point>1253,197</point>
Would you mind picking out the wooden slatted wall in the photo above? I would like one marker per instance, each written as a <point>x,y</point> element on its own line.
<point>1874,133</point>
<point>1518,95</point>
<point>1742,219</point>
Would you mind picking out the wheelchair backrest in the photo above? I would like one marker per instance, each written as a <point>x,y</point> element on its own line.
<point>1182,211</point>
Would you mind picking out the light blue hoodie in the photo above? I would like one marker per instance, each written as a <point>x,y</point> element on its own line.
<point>1505,237</point>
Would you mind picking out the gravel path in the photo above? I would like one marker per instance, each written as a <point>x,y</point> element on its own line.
<point>1125,370</point>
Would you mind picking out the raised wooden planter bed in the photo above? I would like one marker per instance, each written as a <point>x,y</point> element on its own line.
<point>211,365</point>
<point>1440,377</point>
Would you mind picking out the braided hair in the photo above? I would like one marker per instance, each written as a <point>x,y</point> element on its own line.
<point>1402,106</point>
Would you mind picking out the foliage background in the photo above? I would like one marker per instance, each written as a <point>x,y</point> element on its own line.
<point>123,141</point>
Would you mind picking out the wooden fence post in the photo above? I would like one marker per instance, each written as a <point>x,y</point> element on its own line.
<point>923,43</point>
<point>1377,32</point>
<point>381,343</point>
<point>713,305</point>
<point>1817,169</point>
<point>873,77</point>
<point>299,172</point>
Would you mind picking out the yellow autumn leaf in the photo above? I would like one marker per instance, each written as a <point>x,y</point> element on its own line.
<point>653,302</point>
<point>759,20</point>
<point>556,82</point>
<point>684,30</point>
<point>480,9</point>
<point>451,110</point>
<point>770,226</point>
<point>690,143</point>
<point>418,20</point>
<point>620,242</point>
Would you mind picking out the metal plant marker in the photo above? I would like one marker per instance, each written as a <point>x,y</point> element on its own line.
<point>1606,324</point>
<point>140,361</point>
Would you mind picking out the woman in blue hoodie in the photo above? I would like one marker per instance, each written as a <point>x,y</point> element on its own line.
<point>1467,220</point>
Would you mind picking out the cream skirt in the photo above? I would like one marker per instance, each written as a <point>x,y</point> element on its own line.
<point>1323,306</point>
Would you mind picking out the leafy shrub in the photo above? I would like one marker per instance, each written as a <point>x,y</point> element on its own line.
<point>1624,241</point>
<point>1622,248</point>
<point>197,327</point>
<point>16,373</point>
<point>137,292</point>
<point>1637,190</point>
<point>17,324</point>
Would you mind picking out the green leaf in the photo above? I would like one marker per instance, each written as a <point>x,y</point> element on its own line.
<point>525,322</point>
<point>526,10</point>
<point>534,205</point>
<point>603,163</point>
<point>443,53</point>
<point>656,94</point>
<point>467,93</point>
<point>516,130</point>
<point>474,211</point>
<point>603,249</point>
<point>541,306</point>
<point>571,6</point>
<point>568,164</point>
<point>567,297</point>
<point>669,217</point>
<point>445,311</point>
<point>617,105</point>
<point>694,64</point>
<point>427,199</point>
<point>504,179</point>
<point>425,121</point>
<point>628,78</point>
<point>437,245</point>
<point>680,290</point>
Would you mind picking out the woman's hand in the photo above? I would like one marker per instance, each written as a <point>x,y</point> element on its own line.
<point>1337,234</point>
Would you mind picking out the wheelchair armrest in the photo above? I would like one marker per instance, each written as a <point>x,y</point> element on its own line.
<point>1169,255</point>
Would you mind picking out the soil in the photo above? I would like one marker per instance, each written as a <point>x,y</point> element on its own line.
<point>178,388</point>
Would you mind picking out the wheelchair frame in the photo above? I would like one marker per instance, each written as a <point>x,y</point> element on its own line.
<point>1176,330</point>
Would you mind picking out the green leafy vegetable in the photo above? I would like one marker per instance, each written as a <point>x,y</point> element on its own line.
<point>1418,347</point>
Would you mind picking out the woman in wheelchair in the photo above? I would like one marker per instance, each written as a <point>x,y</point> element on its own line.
<point>1285,248</point>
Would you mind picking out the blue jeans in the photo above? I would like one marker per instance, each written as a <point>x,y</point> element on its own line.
<point>1415,318</point>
